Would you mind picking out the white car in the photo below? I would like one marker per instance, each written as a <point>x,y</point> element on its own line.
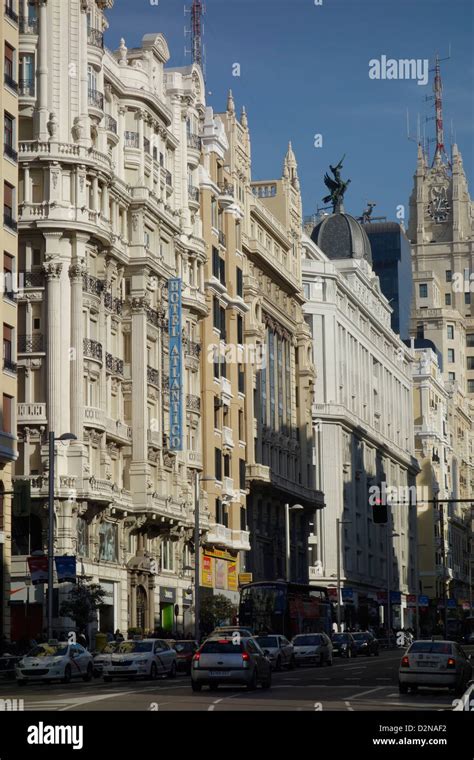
<point>103,658</point>
<point>278,649</point>
<point>434,663</point>
<point>146,658</point>
<point>312,648</point>
<point>55,661</point>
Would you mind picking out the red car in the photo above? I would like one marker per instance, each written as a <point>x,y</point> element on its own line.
<point>184,654</point>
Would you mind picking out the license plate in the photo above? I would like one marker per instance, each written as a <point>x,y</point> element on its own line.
<point>219,673</point>
<point>427,664</point>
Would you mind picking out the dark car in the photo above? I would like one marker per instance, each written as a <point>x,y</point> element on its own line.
<point>184,654</point>
<point>343,645</point>
<point>366,643</point>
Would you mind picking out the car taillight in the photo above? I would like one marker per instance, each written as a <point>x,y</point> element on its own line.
<point>451,662</point>
<point>245,656</point>
<point>405,662</point>
<point>196,657</point>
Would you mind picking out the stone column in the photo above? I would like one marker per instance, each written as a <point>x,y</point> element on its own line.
<point>120,146</point>
<point>105,201</point>
<point>84,81</point>
<point>41,114</point>
<point>139,465</point>
<point>26,183</point>
<point>141,135</point>
<point>54,360</point>
<point>95,194</point>
<point>76,273</point>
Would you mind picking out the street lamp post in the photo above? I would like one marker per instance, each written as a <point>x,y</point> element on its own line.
<point>287,537</point>
<point>51,441</point>
<point>389,575</point>
<point>339,522</point>
<point>197,540</point>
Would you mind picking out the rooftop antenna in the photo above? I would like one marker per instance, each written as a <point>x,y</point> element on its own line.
<point>196,31</point>
<point>440,155</point>
<point>419,138</point>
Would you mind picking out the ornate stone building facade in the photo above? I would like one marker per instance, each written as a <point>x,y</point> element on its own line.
<point>277,372</point>
<point>10,24</point>
<point>108,213</point>
<point>442,237</point>
<point>364,425</point>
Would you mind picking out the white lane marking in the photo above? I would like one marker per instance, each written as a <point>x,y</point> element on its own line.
<point>369,691</point>
<point>213,706</point>
<point>87,700</point>
<point>348,705</point>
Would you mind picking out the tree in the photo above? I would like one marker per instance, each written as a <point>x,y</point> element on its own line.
<point>215,610</point>
<point>85,599</point>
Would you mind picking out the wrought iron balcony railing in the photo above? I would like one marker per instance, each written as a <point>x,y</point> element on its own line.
<point>9,221</point>
<point>194,141</point>
<point>31,279</point>
<point>95,38</point>
<point>222,240</point>
<point>10,151</point>
<point>26,87</point>
<point>193,403</point>
<point>9,365</point>
<point>92,285</point>
<point>131,139</point>
<point>113,304</point>
<point>110,123</point>
<point>30,344</point>
<point>11,13</point>
<point>10,82</point>
<point>92,349</point>
<point>28,25</point>
<point>96,98</point>
<point>114,365</point>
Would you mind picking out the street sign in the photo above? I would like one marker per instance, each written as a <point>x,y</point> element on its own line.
<point>245,578</point>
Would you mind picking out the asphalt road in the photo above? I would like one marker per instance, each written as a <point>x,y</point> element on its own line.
<point>362,683</point>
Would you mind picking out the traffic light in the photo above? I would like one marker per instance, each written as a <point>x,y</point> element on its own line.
<point>21,505</point>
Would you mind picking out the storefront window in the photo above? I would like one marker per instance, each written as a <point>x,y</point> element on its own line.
<point>108,543</point>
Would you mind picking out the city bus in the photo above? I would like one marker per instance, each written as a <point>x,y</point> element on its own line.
<point>285,608</point>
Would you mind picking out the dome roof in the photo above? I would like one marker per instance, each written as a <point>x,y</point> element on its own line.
<point>340,236</point>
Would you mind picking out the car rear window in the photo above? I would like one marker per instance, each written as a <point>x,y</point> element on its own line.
<point>431,647</point>
<point>221,647</point>
<point>267,641</point>
<point>344,637</point>
<point>306,641</point>
<point>361,636</point>
<point>187,646</point>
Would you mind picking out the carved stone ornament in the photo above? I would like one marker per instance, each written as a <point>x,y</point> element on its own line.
<point>52,270</point>
<point>52,125</point>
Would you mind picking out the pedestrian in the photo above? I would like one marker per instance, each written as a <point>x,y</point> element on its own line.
<point>118,635</point>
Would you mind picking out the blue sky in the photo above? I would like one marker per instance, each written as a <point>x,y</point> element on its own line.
<point>304,71</point>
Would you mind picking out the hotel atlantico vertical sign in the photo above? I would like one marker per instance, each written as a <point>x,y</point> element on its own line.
<point>176,369</point>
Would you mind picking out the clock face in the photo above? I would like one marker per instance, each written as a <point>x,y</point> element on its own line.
<point>438,206</point>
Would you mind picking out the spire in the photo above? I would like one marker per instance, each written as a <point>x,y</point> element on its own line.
<point>243,118</point>
<point>290,167</point>
<point>290,156</point>
<point>440,155</point>
<point>230,103</point>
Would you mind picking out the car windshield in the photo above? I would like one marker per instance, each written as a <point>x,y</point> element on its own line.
<point>268,641</point>
<point>110,648</point>
<point>431,647</point>
<point>361,636</point>
<point>184,646</point>
<point>221,647</point>
<point>126,647</point>
<point>344,637</point>
<point>49,650</point>
<point>306,641</point>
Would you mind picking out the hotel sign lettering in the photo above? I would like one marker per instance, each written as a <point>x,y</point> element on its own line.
<point>176,370</point>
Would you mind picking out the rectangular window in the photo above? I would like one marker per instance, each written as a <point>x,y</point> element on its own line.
<point>9,61</point>
<point>451,355</point>
<point>222,323</point>
<point>219,512</point>
<point>420,331</point>
<point>167,554</point>
<point>470,340</point>
<point>447,299</point>
<point>467,298</point>
<point>470,362</point>
<point>450,330</point>
<point>271,371</point>
<point>240,329</point>
<point>214,220</point>
<point>7,420</point>
<point>8,199</point>
<point>449,275</point>
<point>215,262</point>
<point>215,313</point>
<point>8,122</point>
<point>470,386</point>
<point>241,425</point>
<point>451,376</point>
<point>7,344</point>
<point>217,413</point>
<point>216,363</point>
<point>240,282</point>
<point>423,290</point>
<point>241,377</point>
<point>242,474</point>
<point>218,464</point>
<point>222,271</point>
<point>8,273</point>
<point>226,465</point>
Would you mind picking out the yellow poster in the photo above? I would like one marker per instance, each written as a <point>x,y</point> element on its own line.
<point>232,576</point>
<point>206,574</point>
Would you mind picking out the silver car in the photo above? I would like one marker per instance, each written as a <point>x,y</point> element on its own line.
<point>55,661</point>
<point>147,658</point>
<point>230,661</point>
<point>278,649</point>
<point>434,663</point>
<point>312,648</point>
<point>103,658</point>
